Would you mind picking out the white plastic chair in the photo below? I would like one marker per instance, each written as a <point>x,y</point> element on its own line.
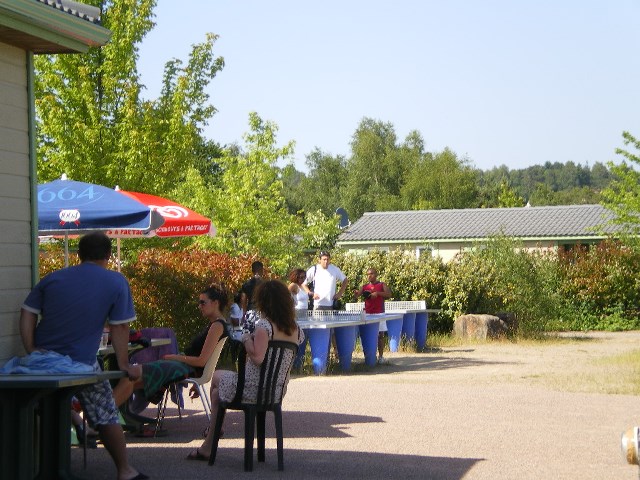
<point>205,378</point>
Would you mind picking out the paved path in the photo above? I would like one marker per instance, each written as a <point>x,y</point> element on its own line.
<point>489,411</point>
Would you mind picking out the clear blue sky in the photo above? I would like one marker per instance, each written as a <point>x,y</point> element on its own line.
<point>507,82</point>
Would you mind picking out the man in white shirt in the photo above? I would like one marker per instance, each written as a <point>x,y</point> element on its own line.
<point>325,278</point>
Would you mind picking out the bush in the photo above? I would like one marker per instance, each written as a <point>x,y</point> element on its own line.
<point>595,288</point>
<point>600,287</point>
<point>440,324</point>
<point>602,277</point>
<point>407,277</point>
<point>51,256</point>
<point>499,276</point>
<point>165,285</point>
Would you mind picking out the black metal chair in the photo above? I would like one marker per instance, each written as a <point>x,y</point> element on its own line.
<point>274,376</point>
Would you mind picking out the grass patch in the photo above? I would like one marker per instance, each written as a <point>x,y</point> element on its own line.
<point>615,375</point>
<point>622,372</point>
<point>443,340</point>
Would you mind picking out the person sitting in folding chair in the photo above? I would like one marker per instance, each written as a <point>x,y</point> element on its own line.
<point>156,375</point>
<point>277,321</point>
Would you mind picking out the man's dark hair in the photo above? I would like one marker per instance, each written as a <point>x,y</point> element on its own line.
<point>94,246</point>
<point>257,267</point>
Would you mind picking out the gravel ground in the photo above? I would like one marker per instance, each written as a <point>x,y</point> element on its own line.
<point>481,411</point>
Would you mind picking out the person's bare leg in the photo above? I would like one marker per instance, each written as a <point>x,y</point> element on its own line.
<point>76,419</point>
<point>113,439</point>
<point>205,448</point>
<point>381,343</point>
<point>124,389</point>
<point>334,346</point>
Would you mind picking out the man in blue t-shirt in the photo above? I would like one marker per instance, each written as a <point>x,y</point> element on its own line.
<point>74,304</point>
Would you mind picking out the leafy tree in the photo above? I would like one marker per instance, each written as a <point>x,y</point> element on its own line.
<point>548,184</point>
<point>323,188</point>
<point>489,183</point>
<point>377,169</point>
<point>600,176</point>
<point>542,195</point>
<point>292,181</point>
<point>576,196</point>
<point>623,195</point>
<point>440,182</point>
<point>508,197</point>
<point>320,231</point>
<point>94,125</point>
<point>250,211</point>
<point>315,198</point>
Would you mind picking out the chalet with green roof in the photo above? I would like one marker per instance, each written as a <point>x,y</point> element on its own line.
<point>445,233</point>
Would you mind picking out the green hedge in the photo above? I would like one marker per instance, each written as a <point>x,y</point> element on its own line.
<point>600,287</point>
<point>583,289</point>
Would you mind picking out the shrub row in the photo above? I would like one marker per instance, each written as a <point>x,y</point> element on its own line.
<point>582,289</point>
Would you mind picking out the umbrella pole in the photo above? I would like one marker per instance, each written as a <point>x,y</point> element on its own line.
<point>118,253</point>
<point>66,249</point>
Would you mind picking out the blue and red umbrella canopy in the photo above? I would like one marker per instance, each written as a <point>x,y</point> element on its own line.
<point>68,207</point>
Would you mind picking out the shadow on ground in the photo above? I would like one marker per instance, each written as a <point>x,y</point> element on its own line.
<point>165,457</point>
<point>168,462</point>
<point>435,362</point>
<point>410,364</point>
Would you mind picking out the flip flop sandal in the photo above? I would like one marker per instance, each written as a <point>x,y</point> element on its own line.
<point>150,432</point>
<point>140,476</point>
<point>196,455</point>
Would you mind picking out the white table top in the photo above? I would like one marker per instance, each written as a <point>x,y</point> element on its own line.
<point>418,306</point>
<point>343,319</point>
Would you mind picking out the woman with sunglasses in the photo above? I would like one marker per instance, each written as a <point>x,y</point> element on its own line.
<point>154,376</point>
<point>277,321</point>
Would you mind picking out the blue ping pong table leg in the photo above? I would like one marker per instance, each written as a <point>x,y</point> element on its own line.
<point>422,320</point>
<point>409,325</point>
<point>346,342</point>
<point>319,343</point>
<point>394,329</point>
<point>369,339</point>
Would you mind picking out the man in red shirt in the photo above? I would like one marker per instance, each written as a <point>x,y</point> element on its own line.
<point>374,294</point>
